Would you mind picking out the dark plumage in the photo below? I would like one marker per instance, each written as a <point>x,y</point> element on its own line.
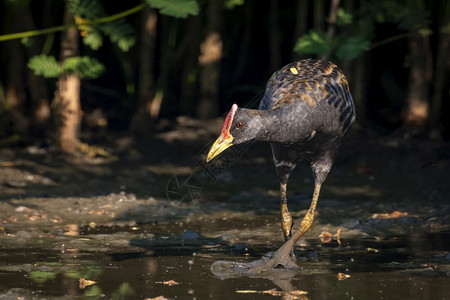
<point>306,111</point>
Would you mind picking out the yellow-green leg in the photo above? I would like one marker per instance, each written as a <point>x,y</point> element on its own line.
<point>282,255</point>
<point>286,218</point>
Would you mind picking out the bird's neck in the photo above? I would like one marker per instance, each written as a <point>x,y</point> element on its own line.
<point>275,128</point>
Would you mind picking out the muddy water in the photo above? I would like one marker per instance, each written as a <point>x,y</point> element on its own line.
<point>126,227</point>
<point>177,266</point>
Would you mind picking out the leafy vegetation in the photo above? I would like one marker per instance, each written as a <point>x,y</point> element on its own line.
<point>119,31</point>
<point>175,8</point>
<point>356,31</point>
<point>84,66</point>
<point>146,57</point>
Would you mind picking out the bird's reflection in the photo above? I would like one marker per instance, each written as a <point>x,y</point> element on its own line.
<point>280,277</point>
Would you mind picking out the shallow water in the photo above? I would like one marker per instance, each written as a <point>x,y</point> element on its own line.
<point>412,267</point>
<point>115,224</point>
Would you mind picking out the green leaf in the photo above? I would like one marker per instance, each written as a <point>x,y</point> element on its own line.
<point>84,67</point>
<point>44,65</point>
<point>351,47</point>
<point>314,42</point>
<point>119,31</point>
<point>89,9</point>
<point>93,38</point>
<point>425,32</point>
<point>175,8</point>
<point>343,17</point>
<point>26,41</point>
<point>230,4</point>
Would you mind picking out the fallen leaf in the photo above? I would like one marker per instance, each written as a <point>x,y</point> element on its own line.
<point>394,215</point>
<point>342,276</point>
<point>12,219</point>
<point>338,236</point>
<point>168,282</point>
<point>84,283</point>
<point>326,237</point>
<point>34,215</point>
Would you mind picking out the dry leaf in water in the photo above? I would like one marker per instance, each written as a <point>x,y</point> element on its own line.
<point>342,276</point>
<point>84,283</point>
<point>338,237</point>
<point>326,237</point>
<point>394,215</point>
<point>168,282</point>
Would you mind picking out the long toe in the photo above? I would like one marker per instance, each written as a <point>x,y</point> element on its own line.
<point>281,259</point>
<point>292,255</point>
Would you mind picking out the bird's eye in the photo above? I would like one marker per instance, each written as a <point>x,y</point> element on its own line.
<point>240,125</point>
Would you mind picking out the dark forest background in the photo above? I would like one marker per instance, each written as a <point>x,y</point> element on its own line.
<point>135,66</point>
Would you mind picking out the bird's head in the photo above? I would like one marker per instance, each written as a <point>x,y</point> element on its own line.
<point>240,125</point>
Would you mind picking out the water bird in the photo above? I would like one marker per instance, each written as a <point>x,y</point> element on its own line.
<point>305,112</point>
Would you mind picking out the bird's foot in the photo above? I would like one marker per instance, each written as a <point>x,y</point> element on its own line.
<point>292,255</point>
<point>282,258</point>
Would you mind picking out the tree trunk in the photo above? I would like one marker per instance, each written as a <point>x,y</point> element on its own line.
<point>209,61</point>
<point>301,23</point>
<point>146,89</point>
<point>331,21</point>
<point>165,64</point>
<point>319,15</point>
<point>66,104</point>
<point>274,37</point>
<point>358,83</point>
<point>14,86</point>
<point>441,72</point>
<point>244,46</point>
<point>40,107</point>
<point>189,77</point>
<point>416,112</point>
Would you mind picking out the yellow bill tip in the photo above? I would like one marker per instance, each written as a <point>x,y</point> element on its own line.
<point>219,146</point>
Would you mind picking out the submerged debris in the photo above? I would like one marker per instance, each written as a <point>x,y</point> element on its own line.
<point>326,237</point>
<point>393,215</point>
<point>342,276</point>
<point>168,282</point>
<point>84,283</point>
<point>297,294</point>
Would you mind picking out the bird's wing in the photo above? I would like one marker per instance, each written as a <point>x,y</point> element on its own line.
<point>308,81</point>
